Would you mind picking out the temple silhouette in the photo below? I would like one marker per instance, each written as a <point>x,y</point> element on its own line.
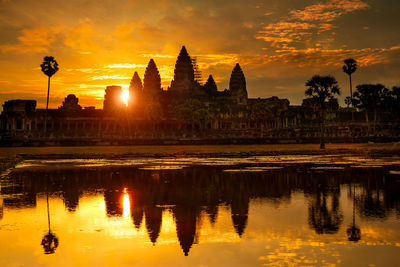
<point>186,112</point>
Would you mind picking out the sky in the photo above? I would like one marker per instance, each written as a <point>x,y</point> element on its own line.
<point>279,44</point>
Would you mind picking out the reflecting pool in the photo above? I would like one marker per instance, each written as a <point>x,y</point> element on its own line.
<point>288,210</point>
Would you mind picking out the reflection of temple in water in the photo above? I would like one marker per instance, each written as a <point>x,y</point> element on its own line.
<point>194,192</point>
<point>137,209</point>
<point>153,218</point>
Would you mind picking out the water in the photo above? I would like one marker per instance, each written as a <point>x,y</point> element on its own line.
<point>284,210</point>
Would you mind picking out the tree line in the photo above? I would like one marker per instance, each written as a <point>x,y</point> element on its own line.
<point>322,92</point>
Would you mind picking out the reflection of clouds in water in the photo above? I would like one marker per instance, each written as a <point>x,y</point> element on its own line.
<point>327,168</point>
<point>296,252</point>
<point>162,167</point>
<point>254,169</point>
<point>238,213</point>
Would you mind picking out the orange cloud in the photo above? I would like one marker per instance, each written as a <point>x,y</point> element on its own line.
<point>110,77</point>
<point>285,32</point>
<point>34,40</point>
<point>119,38</point>
<point>328,11</point>
<point>125,66</point>
<point>329,57</point>
<point>302,23</point>
<point>82,37</point>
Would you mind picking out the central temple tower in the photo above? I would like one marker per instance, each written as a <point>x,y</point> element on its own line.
<point>184,74</point>
<point>237,86</point>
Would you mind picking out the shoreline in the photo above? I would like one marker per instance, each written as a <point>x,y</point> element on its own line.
<point>197,150</point>
<point>10,157</point>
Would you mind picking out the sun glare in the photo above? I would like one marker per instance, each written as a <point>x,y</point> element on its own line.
<point>125,96</point>
<point>126,204</point>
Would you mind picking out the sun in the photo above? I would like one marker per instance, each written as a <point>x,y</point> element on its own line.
<point>125,97</point>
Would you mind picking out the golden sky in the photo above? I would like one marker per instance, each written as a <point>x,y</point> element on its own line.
<point>279,44</point>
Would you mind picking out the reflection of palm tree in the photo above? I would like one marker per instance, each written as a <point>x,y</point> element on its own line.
<point>49,241</point>
<point>353,231</point>
<point>325,218</point>
<point>49,68</point>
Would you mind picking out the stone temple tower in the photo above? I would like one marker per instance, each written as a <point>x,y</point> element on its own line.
<point>184,74</point>
<point>152,82</point>
<point>211,87</point>
<point>112,99</point>
<point>237,86</point>
<point>135,91</point>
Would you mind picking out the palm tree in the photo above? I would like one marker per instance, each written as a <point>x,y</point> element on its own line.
<point>322,91</point>
<point>370,97</point>
<point>392,101</point>
<point>349,67</point>
<point>49,68</point>
<point>347,101</point>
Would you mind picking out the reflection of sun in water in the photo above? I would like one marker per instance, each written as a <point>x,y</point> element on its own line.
<point>125,97</point>
<point>126,204</point>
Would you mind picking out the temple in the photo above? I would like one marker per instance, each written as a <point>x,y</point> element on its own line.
<point>183,81</point>
<point>187,112</point>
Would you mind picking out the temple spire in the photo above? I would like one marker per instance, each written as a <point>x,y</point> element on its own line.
<point>183,51</point>
<point>184,74</point>
<point>210,86</point>
<point>135,89</point>
<point>237,81</point>
<point>152,81</point>
<point>136,83</point>
<point>237,85</point>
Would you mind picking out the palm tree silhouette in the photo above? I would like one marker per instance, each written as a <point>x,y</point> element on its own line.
<point>49,68</point>
<point>349,67</point>
<point>347,101</point>
<point>370,97</point>
<point>322,91</point>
